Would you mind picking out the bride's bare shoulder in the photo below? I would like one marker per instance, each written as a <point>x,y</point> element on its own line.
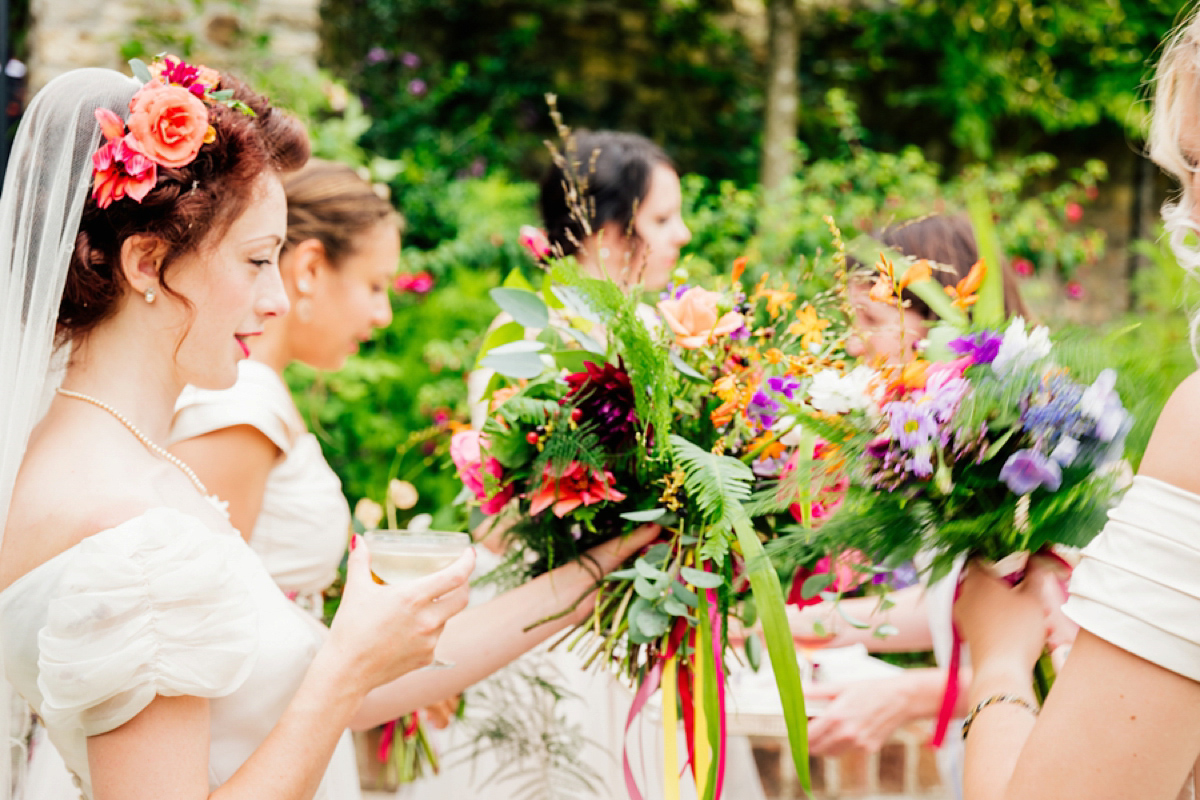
<point>1173,454</point>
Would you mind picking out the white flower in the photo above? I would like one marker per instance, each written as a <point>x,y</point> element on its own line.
<point>1019,348</point>
<point>402,494</point>
<point>368,512</point>
<point>831,392</point>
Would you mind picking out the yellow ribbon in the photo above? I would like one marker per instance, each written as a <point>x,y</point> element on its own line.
<point>703,746</point>
<point>670,731</point>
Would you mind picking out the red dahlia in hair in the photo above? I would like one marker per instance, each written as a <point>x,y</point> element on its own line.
<point>605,396</point>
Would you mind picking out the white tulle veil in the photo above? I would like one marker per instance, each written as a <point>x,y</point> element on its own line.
<point>48,179</point>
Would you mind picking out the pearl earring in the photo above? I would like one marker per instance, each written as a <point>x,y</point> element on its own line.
<point>303,286</point>
<point>604,252</point>
<point>150,295</point>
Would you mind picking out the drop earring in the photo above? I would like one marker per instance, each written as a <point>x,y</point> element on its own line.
<point>304,304</point>
<point>150,295</point>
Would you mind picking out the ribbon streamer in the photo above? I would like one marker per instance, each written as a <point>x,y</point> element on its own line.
<point>670,723</point>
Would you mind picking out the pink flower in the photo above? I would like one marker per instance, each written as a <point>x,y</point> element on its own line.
<point>121,169</point>
<point>1023,267</point>
<point>1074,212</point>
<point>577,486</point>
<point>693,318</point>
<point>170,123</point>
<point>467,455</point>
<point>418,283</point>
<point>1074,290</point>
<point>535,241</point>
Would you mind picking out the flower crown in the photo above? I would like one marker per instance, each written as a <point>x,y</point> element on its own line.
<point>168,124</point>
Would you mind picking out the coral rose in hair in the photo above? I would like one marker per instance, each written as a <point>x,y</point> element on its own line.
<point>169,122</point>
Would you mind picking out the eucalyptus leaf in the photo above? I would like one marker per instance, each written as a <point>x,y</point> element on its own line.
<point>684,595</point>
<point>648,570</point>
<point>140,70</point>
<point>646,588</point>
<point>515,365</point>
<point>504,334</point>
<point>516,280</point>
<point>649,515</point>
<point>623,575</point>
<point>684,369</point>
<point>814,585</point>
<point>585,341</point>
<point>675,608</point>
<point>701,579</point>
<point>652,622</point>
<point>518,346</point>
<point>525,307</point>
<point>754,652</point>
<point>885,630</point>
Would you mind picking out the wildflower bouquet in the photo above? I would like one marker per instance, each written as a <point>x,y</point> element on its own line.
<point>618,414</point>
<point>987,447</point>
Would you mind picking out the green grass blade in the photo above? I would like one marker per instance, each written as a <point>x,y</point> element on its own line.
<point>768,597</point>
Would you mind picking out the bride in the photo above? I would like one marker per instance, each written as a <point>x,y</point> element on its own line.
<point>140,229</point>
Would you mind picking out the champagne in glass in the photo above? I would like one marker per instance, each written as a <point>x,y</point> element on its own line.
<point>398,556</point>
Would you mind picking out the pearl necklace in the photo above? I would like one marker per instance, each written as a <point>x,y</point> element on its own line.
<point>141,437</point>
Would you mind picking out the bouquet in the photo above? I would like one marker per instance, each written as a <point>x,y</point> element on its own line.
<point>618,414</point>
<point>988,447</point>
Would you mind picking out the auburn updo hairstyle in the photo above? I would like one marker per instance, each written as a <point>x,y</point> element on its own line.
<point>611,170</point>
<point>189,206</point>
<point>330,203</point>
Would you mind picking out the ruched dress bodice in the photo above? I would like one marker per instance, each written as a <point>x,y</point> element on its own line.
<point>1138,583</point>
<point>158,605</point>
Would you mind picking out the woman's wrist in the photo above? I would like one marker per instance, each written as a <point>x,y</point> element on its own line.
<point>1001,677</point>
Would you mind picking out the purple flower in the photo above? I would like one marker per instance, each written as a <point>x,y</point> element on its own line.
<point>741,334</point>
<point>410,60</point>
<point>417,87</point>
<point>921,463</point>
<point>673,292</point>
<point>376,55</point>
<point>1101,403</point>
<point>1027,470</point>
<point>911,424</point>
<point>785,385</point>
<point>982,347</point>
<point>769,467</point>
<point>763,409</point>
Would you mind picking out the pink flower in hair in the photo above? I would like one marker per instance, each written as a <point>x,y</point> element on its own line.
<point>122,169</point>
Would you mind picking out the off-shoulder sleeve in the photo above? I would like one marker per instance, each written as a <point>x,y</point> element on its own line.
<point>259,399</point>
<point>1138,584</point>
<point>150,608</point>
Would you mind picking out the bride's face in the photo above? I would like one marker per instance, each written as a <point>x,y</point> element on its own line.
<point>233,286</point>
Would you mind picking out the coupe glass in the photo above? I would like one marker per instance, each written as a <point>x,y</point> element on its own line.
<point>398,556</point>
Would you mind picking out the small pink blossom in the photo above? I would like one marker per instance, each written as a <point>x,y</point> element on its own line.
<point>466,452</point>
<point>1023,267</point>
<point>1074,290</point>
<point>535,241</point>
<point>1074,212</point>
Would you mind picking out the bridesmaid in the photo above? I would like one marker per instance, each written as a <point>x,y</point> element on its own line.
<point>250,444</point>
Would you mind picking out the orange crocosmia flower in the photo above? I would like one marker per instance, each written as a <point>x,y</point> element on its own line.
<point>808,327</point>
<point>723,414</point>
<point>964,294</point>
<point>501,396</point>
<point>725,388</point>
<point>774,355</point>
<point>778,299</point>
<point>773,449</point>
<point>739,266</point>
<point>920,271</point>
<point>912,376</point>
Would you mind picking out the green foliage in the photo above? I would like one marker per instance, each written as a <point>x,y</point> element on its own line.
<point>865,190</point>
<point>719,485</point>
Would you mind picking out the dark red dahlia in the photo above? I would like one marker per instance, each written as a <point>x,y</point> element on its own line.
<point>605,396</point>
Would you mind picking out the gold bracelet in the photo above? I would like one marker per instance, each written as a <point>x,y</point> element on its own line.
<point>1015,699</point>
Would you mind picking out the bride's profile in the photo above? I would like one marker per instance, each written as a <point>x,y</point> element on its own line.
<point>140,229</point>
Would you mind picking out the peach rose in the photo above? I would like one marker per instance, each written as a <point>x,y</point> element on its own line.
<point>169,123</point>
<point>693,318</point>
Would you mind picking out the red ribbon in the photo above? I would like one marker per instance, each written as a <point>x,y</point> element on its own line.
<point>385,741</point>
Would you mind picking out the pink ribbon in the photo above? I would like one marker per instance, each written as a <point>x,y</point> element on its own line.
<point>649,686</point>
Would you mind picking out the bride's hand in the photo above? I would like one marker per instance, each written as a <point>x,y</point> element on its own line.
<point>383,632</point>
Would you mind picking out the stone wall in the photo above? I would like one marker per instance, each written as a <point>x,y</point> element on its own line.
<point>237,35</point>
